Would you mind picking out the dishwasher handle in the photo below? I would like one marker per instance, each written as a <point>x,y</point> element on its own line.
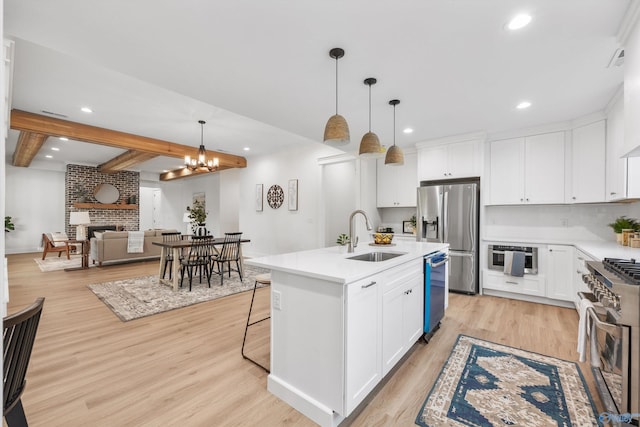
<point>441,261</point>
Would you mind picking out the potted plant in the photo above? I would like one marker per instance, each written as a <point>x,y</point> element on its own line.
<point>621,225</point>
<point>8,224</point>
<point>413,223</point>
<point>197,215</point>
<point>342,241</point>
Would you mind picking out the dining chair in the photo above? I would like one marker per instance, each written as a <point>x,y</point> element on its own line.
<point>229,253</point>
<point>18,337</point>
<point>198,259</point>
<point>170,237</point>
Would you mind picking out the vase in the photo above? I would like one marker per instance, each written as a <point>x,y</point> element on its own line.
<point>342,249</point>
<point>620,238</point>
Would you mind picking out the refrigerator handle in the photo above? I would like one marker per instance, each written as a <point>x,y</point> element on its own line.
<point>445,215</point>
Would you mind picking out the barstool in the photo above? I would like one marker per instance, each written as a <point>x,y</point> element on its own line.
<point>263,279</point>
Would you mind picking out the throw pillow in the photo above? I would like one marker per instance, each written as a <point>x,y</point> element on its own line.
<point>59,238</point>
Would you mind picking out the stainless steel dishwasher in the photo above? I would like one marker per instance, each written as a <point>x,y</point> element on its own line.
<point>435,279</point>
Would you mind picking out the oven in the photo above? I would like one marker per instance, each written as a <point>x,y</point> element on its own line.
<point>614,336</point>
<point>497,256</point>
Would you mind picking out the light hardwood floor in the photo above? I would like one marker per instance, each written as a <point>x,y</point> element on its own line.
<point>184,367</point>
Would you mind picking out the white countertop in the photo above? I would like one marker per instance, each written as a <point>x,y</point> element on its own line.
<point>595,249</point>
<point>332,265</point>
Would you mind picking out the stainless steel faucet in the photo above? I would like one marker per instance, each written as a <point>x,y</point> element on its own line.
<point>353,240</point>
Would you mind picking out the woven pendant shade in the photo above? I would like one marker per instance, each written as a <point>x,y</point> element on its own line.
<point>336,132</point>
<point>394,155</point>
<point>370,144</point>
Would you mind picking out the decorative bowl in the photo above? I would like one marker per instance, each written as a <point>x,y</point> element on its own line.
<point>382,238</point>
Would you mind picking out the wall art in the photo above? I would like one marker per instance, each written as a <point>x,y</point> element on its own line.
<point>293,194</point>
<point>275,196</point>
<point>259,197</point>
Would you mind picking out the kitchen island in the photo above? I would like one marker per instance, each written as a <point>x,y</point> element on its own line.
<point>339,325</point>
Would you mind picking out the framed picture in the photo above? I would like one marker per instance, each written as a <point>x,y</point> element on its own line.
<point>407,227</point>
<point>293,194</point>
<point>259,197</point>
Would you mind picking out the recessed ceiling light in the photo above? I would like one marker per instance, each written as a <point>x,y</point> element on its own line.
<point>86,110</point>
<point>62,138</point>
<point>519,21</point>
<point>408,130</point>
<point>49,156</point>
<point>247,148</point>
<point>55,149</point>
<point>523,105</point>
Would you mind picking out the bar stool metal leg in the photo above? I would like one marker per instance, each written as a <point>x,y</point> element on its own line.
<point>264,279</point>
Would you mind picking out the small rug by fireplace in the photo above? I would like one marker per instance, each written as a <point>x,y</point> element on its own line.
<point>144,296</point>
<point>54,263</point>
<point>488,384</point>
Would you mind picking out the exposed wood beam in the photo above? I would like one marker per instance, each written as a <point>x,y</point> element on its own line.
<point>124,161</point>
<point>185,173</point>
<point>29,143</point>
<point>30,122</point>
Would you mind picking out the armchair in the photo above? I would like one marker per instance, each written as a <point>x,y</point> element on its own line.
<point>59,243</point>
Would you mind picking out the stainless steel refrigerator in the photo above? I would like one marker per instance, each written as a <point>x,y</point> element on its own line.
<point>448,211</point>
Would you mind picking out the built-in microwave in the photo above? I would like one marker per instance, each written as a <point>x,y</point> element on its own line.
<point>496,257</point>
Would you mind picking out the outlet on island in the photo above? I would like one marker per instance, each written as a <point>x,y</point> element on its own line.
<point>277,300</point>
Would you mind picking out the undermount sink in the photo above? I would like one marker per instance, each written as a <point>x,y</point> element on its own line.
<point>376,256</point>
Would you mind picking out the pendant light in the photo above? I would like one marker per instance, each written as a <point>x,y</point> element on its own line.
<point>370,144</point>
<point>394,153</point>
<point>336,132</point>
<point>201,161</point>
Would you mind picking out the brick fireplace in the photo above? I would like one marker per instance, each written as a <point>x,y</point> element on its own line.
<point>122,213</point>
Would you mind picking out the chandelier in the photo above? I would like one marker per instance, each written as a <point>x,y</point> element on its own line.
<point>201,161</point>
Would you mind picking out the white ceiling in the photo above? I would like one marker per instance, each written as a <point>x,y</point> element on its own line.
<point>260,74</point>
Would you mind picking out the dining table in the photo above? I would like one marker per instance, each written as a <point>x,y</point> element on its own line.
<point>177,247</point>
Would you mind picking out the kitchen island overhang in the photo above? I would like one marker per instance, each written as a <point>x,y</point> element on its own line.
<point>335,323</point>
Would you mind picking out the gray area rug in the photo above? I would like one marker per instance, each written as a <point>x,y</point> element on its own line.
<point>144,296</point>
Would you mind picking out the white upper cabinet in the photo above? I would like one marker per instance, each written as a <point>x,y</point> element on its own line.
<point>616,166</point>
<point>528,170</point>
<point>450,160</point>
<point>396,185</point>
<point>507,171</point>
<point>588,163</point>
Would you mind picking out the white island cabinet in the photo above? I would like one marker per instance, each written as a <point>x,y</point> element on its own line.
<point>330,318</point>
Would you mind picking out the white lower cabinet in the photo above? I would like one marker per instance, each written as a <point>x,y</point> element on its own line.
<point>560,282</point>
<point>384,319</point>
<point>402,302</point>
<point>363,340</point>
<point>529,284</point>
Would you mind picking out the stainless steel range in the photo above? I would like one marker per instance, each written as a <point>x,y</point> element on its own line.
<point>615,333</point>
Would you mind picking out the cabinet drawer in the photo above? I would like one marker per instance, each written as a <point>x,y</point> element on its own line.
<point>402,274</point>
<point>528,285</point>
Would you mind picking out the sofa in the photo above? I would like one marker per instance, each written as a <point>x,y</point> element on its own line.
<point>111,246</point>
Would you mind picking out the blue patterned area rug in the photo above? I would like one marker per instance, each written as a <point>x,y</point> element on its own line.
<point>488,384</point>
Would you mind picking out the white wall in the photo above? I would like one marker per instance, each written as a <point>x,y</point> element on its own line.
<point>280,230</point>
<point>35,200</point>
<point>229,201</point>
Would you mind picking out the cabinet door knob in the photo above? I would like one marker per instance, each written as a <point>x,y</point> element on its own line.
<point>369,285</point>
<point>445,174</point>
<point>550,250</point>
<point>613,193</point>
<point>522,200</point>
<point>527,200</point>
<point>574,197</point>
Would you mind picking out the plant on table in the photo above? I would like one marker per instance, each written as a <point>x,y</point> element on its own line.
<point>413,223</point>
<point>197,215</point>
